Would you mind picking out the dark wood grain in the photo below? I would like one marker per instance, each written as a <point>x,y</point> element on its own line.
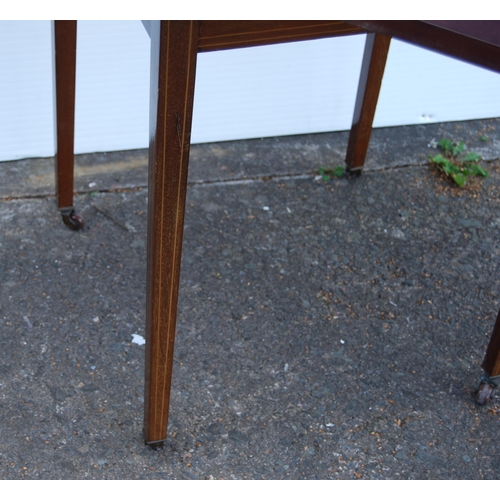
<point>64,66</point>
<point>491,362</point>
<point>470,41</point>
<point>219,35</point>
<point>485,31</point>
<point>173,64</point>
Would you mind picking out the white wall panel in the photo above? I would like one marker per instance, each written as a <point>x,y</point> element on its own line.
<point>112,86</point>
<point>421,86</point>
<point>26,123</point>
<point>284,89</point>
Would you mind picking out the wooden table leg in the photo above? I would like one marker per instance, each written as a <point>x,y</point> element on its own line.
<point>173,64</point>
<point>64,65</point>
<point>491,366</point>
<point>370,81</point>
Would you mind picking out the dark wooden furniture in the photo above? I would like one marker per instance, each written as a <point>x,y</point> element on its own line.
<point>64,66</point>
<point>174,49</point>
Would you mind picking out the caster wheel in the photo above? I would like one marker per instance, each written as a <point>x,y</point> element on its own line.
<point>484,392</point>
<point>73,220</point>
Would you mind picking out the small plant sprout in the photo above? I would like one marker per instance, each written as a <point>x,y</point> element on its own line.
<point>456,164</point>
<point>329,173</point>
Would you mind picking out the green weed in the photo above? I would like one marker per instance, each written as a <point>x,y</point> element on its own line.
<point>456,164</point>
<point>329,173</point>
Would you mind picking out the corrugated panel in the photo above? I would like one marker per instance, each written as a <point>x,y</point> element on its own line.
<point>281,89</point>
<point>277,90</point>
<point>112,89</point>
<point>421,86</point>
<point>26,123</point>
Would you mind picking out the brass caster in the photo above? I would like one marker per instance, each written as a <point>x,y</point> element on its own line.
<point>72,219</point>
<point>485,389</point>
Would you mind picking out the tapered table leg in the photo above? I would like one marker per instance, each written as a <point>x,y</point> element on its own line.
<point>370,81</point>
<point>491,366</point>
<point>173,63</point>
<point>64,65</point>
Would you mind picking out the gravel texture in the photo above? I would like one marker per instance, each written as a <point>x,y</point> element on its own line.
<point>326,330</point>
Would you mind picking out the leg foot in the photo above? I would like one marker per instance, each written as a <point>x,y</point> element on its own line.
<point>485,389</point>
<point>72,219</point>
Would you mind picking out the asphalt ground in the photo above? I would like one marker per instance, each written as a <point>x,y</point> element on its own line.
<point>327,329</point>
